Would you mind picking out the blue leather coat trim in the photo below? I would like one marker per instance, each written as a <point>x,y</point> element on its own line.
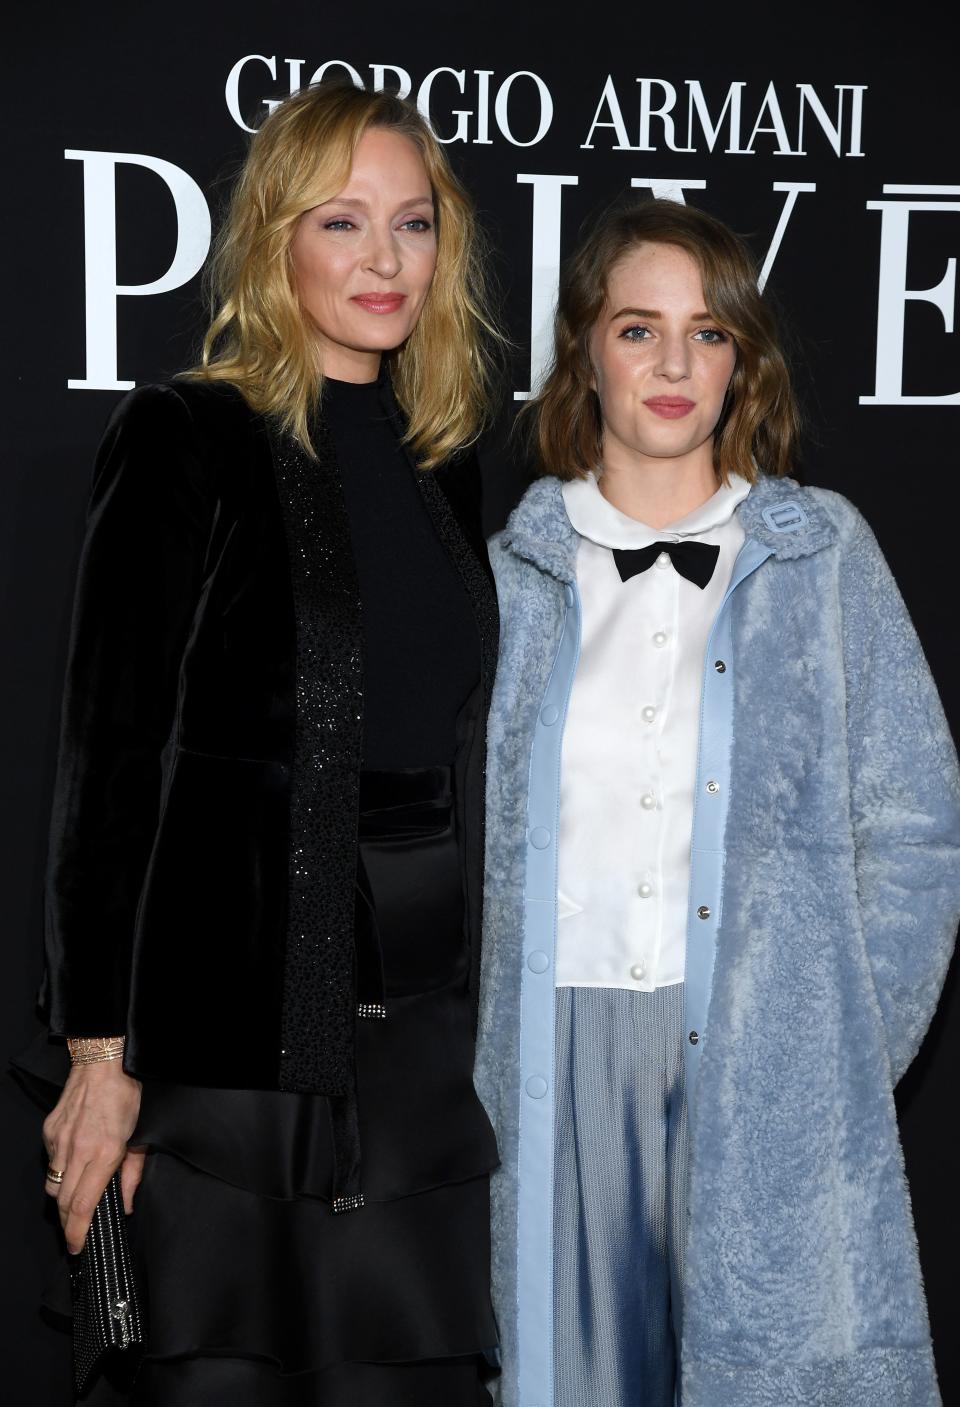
<point>710,816</point>
<point>537,1015</point>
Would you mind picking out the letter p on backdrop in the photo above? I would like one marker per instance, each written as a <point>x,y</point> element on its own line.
<point>100,254</point>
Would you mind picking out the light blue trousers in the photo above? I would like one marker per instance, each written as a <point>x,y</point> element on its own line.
<point>619,1196</point>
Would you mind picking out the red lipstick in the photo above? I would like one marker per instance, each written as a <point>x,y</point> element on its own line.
<point>379,302</point>
<point>670,407</point>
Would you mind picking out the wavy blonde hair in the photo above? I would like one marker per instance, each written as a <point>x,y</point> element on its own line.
<point>259,337</point>
<point>759,423</point>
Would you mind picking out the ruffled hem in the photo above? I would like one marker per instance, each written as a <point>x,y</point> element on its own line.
<point>225,1272</point>
<point>222,1272</point>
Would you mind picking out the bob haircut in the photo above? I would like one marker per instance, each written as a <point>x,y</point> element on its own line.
<point>759,422</point>
<point>259,337</point>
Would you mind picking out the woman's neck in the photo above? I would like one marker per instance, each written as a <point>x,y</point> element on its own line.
<point>658,491</point>
<point>348,364</point>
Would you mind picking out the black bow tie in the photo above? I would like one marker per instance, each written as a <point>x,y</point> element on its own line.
<point>694,560</point>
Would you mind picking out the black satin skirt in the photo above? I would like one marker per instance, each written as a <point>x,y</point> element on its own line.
<point>257,1294</point>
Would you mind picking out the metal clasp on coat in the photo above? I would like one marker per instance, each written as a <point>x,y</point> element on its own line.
<point>784,517</point>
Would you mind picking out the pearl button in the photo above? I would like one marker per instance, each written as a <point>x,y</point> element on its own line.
<point>648,714</point>
<point>719,666</point>
<point>703,911</point>
<point>713,788</point>
<point>644,889</point>
<point>664,559</point>
<point>660,639</point>
<point>549,715</point>
<point>648,801</point>
<point>536,1086</point>
<point>538,962</point>
<point>637,971</point>
<point>540,838</point>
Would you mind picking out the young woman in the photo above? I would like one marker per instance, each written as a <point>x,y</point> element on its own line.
<point>267,837</point>
<point>722,834</point>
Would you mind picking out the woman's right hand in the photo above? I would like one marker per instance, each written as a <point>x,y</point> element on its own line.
<point>86,1138</point>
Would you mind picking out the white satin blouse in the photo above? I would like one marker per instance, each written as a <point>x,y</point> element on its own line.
<point>630,743</point>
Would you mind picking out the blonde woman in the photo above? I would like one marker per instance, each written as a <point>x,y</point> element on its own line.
<point>264,884</point>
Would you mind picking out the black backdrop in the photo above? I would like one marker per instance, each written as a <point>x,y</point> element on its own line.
<point>840,121</point>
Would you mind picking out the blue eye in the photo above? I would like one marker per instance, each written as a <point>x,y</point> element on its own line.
<point>712,336</point>
<point>341,224</point>
<point>642,334</point>
<point>417,226</point>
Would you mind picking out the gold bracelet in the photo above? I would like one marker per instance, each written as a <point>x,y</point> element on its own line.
<point>93,1050</point>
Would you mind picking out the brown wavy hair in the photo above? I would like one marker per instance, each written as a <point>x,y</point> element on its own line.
<point>259,336</point>
<point>759,422</point>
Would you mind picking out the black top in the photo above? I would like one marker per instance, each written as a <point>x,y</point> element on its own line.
<point>415,678</point>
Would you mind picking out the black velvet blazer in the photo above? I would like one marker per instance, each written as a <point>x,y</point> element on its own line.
<point>201,880</point>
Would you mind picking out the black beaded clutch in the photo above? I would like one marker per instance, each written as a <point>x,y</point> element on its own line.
<point>106,1314</point>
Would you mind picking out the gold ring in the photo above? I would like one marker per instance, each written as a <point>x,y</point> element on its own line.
<point>55,1174</point>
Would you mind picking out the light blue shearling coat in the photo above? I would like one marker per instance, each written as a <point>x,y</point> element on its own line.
<point>823,909</point>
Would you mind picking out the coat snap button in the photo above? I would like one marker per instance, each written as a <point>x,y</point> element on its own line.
<point>713,788</point>
<point>703,911</point>
<point>539,837</point>
<point>538,961</point>
<point>549,715</point>
<point>719,666</point>
<point>536,1087</point>
<point>694,1038</point>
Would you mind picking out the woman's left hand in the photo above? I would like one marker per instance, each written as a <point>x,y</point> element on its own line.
<point>86,1140</point>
